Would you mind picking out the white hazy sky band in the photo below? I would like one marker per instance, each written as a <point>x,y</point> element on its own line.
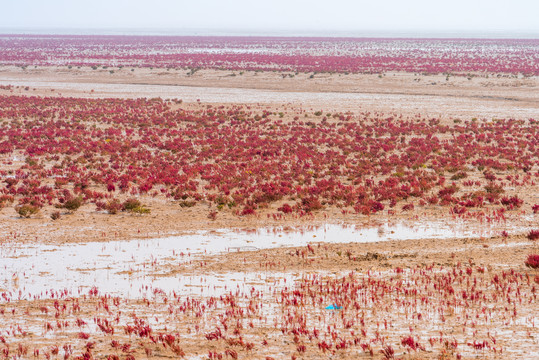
<point>277,15</point>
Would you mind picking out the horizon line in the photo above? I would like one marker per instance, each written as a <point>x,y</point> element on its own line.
<point>329,33</point>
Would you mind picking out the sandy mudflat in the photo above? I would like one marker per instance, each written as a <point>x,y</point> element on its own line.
<point>470,266</point>
<point>400,93</point>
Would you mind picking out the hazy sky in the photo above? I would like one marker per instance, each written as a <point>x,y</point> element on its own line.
<point>251,16</point>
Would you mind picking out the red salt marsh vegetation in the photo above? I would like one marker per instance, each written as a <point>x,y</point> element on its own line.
<point>343,55</point>
<point>464,310</point>
<point>64,152</point>
<point>84,172</point>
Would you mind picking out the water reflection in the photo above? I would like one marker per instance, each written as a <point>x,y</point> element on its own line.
<point>132,268</point>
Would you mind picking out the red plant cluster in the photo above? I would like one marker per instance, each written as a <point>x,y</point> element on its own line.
<point>533,261</point>
<point>57,149</point>
<point>358,55</point>
<point>533,235</point>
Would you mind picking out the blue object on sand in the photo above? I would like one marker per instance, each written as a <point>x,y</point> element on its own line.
<point>333,307</point>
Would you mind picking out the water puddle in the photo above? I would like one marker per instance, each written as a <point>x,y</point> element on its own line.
<point>136,268</point>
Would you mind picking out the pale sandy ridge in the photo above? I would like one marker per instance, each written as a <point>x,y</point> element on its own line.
<point>401,93</point>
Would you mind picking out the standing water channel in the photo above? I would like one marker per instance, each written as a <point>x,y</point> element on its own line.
<point>129,268</point>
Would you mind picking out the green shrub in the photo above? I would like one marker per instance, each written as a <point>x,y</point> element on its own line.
<point>130,204</point>
<point>141,210</point>
<point>135,206</point>
<point>187,203</point>
<point>73,204</point>
<point>27,210</point>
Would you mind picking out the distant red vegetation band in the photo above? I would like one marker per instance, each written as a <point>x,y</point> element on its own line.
<point>343,55</point>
